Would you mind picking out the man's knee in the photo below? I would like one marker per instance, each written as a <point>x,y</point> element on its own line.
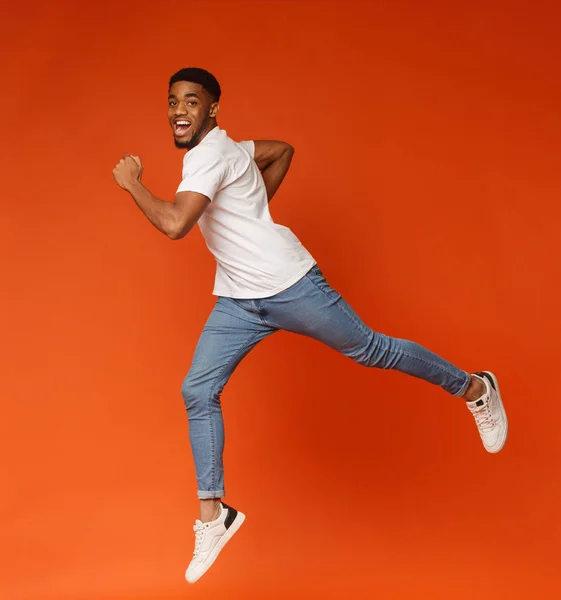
<point>193,394</point>
<point>374,353</point>
<point>198,394</point>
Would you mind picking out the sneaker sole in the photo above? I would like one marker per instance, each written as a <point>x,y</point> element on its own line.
<point>238,521</point>
<point>503,412</point>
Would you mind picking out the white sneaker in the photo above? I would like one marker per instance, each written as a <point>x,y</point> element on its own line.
<point>210,538</point>
<point>489,414</point>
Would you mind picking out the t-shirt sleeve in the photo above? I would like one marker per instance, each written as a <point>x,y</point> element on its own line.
<point>203,172</point>
<point>249,147</point>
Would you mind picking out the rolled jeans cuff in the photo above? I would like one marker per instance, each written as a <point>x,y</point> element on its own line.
<point>461,392</point>
<point>204,495</point>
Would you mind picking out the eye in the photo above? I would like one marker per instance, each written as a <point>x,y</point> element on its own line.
<point>172,103</point>
<point>192,103</point>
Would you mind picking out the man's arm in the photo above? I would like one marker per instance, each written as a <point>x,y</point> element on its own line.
<point>174,219</point>
<point>273,160</point>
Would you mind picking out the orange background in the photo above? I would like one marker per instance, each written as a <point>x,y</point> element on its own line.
<point>425,182</point>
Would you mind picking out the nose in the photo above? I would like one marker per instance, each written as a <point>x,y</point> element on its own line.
<point>181,108</point>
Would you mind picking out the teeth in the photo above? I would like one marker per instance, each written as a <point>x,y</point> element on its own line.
<point>182,123</point>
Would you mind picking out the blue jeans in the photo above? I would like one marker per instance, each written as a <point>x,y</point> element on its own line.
<point>312,308</point>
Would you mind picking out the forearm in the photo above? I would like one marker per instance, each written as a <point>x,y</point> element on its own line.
<point>274,173</point>
<point>160,213</point>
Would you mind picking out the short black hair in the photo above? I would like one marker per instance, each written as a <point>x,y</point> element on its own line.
<point>195,75</point>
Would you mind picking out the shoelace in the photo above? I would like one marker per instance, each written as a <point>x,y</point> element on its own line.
<point>484,418</point>
<point>199,529</point>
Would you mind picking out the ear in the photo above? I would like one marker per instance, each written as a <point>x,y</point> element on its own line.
<point>214,109</point>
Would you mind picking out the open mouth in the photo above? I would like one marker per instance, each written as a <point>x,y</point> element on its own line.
<point>180,128</point>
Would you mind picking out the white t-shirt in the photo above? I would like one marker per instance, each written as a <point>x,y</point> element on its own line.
<point>255,257</point>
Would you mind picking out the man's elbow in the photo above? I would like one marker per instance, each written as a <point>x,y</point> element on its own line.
<point>177,231</point>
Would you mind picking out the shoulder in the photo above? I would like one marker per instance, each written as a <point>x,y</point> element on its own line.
<point>202,155</point>
<point>248,146</point>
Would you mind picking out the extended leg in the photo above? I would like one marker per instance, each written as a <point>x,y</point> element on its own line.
<point>314,309</point>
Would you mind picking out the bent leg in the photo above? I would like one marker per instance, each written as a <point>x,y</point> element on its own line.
<point>229,334</point>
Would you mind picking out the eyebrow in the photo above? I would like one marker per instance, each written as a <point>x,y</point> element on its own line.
<point>189,95</point>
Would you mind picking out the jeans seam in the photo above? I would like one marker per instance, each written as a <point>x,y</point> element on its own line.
<point>363,328</point>
<point>403,353</point>
<point>259,306</point>
<point>359,324</point>
<point>209,399</point>
<point>412,356</point>
<point>353,317</point>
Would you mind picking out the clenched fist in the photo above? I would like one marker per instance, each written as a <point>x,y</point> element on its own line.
<point>128,171</point>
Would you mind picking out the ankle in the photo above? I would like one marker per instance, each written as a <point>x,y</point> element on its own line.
<point>475,390</point>
<point>210,509</point>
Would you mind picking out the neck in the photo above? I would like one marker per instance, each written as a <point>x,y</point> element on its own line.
<point>211,125</point>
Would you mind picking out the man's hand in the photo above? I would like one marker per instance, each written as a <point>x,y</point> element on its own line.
<point>176,218</point>
<point>128,171</point>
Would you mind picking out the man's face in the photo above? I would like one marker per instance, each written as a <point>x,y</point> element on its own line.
<point>190,109</point>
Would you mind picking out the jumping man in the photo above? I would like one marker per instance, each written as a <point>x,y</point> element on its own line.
<point>266,281</point>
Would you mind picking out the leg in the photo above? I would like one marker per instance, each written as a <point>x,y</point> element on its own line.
<point>313,308</point>
<point>231,331</point>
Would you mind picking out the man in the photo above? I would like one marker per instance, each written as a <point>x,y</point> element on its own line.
<point>265,281</point>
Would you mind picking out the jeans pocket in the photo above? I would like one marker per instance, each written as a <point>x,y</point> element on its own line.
<point>315,275</point>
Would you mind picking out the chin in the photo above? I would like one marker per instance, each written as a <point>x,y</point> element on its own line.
<point>182,143</point>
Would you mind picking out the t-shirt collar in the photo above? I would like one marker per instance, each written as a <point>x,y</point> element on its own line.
<point>214,131</point>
